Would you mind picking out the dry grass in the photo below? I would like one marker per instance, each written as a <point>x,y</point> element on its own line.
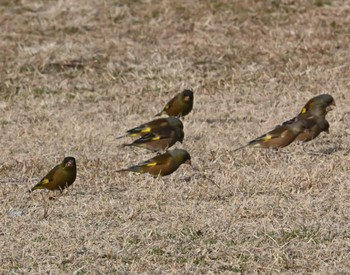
<point>76,74</point>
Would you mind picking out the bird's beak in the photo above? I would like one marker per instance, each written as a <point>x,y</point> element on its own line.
<point>69,164</point>
<point>189,162</point>
<point>331,107</point>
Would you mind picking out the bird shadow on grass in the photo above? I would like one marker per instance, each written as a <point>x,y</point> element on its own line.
<point>198,176</point>
<point>324,151</point>
<point>94,193</point>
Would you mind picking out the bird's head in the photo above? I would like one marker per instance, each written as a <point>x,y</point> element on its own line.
<point>69,162</point>
<point>187,158</point>
<point>174,121</point>
<point>187,95</point>
<point>180,134</point>
<point>181,156</point>
<point>319,105</point>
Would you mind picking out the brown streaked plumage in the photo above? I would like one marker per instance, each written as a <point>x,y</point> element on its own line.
<point>162,165</point>
<point>180,105</point>
<point>60,177</point>
<point>148,127</point>
<point>160,138</point>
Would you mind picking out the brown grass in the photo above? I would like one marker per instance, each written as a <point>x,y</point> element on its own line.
<point>76,74</point>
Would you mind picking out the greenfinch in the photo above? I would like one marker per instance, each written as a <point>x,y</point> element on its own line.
<point>60,177</point>
<point>162,165</point>
<point>279,137</point>
<point>314,114</point>
<point>180,105</point>
<point>160,138</point>
<point>148,127</point>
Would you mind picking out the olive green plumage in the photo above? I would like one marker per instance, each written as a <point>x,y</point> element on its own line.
<point>314,116</point>
<point>318,106</point>
<point>162,165</point>
<point>160,138</point>
<point>150,126</point>
<point>60,177</point>
<point>180,105</point>
<point>280,136</point>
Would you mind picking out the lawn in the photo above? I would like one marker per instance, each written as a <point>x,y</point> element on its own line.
<point>75,75</point>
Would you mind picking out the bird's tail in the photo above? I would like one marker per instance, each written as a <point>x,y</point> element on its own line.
<point>121,136</point>
<point>126,144</point>
<point>136,168</point>
<point>123,170</point>
<point>36,187</point>
<point>241,147</point>
<point>160,113</point>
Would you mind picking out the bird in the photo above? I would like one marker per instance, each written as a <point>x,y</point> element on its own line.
<point>178,106</point>
<point>147,127</point>
<point>162,165</point>
<point>319,105</point>
<point>160,138</point>
<point>280,136</point>
<point>60,177</point>
<point>315,126</point>
<point>314,115</point>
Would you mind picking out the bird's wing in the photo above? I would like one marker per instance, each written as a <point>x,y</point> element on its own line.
<point>139,129</point>
<point>49,177</point>
<point>158,134</point>
<point>275,133</point>
<point>157,160</point>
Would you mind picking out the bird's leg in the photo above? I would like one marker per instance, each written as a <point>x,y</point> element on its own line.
<point>46,207</point>
<point>46,212</point>
<point>53,198</point>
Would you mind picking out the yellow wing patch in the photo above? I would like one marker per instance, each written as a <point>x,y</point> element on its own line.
<point>152,164</point>
<point>156,138</point>
<point>267,137</point>
<point>307,107</point>
<point>146,130</point>
<point>44,181</point>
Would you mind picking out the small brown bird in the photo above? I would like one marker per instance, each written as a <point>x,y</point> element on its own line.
<point>60,177</point>
<point>160,138</point>
<point>314,115</point>
<point>148,127</point>
<point>162,165</point>
<point>180,105</point>
<point>279,137</point>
